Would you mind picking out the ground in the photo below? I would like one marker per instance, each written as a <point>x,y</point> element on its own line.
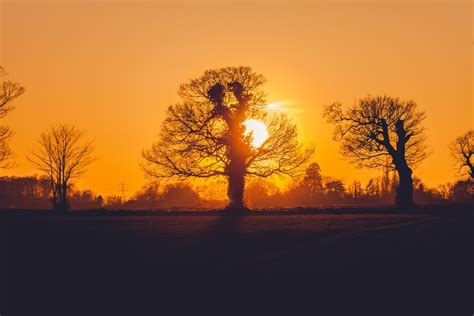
<point>335,264</point>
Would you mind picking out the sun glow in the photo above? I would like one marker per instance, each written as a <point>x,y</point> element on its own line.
<point>275,106</point>
<point>259,132</point>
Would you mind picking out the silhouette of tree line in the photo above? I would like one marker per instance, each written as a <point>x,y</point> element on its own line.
<point>311,190</point>
<point>317,190</point>
<point>35,192</point>
<point>9,92</point>
<point>203,136</point>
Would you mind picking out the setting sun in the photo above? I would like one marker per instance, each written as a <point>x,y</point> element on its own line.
<point>258,130</point>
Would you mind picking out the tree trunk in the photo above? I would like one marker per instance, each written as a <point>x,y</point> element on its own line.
<point>235,189</point>
<point>57,197</point>
<point>239,151</point>
<point>405,188</point>
<point>63,198</point>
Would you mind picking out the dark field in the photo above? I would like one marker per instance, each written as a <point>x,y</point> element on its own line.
<point>342,264</point>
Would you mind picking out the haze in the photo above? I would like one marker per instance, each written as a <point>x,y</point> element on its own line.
<point>112,68</point>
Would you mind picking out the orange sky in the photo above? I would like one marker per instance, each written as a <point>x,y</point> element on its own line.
<point>112,68</point>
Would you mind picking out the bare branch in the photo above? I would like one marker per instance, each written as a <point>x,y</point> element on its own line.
<point>204,135</point>
<point>9,91</point>
<point>462,150</point>
<point>368,132</point>
<point>62,154</point>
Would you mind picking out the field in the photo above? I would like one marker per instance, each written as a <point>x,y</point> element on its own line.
<point>290,264</point>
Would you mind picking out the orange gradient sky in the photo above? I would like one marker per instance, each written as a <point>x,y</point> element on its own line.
<point>112,67</point>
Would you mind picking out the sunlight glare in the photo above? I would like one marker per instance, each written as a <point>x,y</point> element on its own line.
<point>274,106</point>
<point>259,132</point>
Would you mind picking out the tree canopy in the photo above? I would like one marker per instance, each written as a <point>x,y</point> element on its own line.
<point>204,135</point>
<point>370,131</point>
<point>463,149</point>
<point>382,131</point>
<point>9,91</point>
<point>62,154</point>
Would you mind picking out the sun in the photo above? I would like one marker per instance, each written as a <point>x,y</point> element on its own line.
<point>259,132</point>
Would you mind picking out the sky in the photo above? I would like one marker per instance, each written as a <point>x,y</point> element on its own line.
<point>112,68</point>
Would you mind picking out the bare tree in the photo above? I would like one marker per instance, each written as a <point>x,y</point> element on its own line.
<point>62,154</point>
<point>463,149</point>
<point>382,127</point>
<point>204,136</point>
<point>9,92</point>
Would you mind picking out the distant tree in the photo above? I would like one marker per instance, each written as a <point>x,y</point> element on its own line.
<point>394,184</point>
<point>113,202</point>
<point>204,135</point>
<point>260,193</point>
<point>84,199</point>
<point>24,192</point>
<point>463,191</point>
<point>157,196</point>
<point>385,181</point>
<point>446,191</point>
<point>62,154</point>
<point>355,189</point>
<point>463,149</point>
<point>9,92</point>
<point>313,179</point>
<point>381,127</point>
<point>149,194</point>
<point>180,195</point>
<point>373,187</point>
<point>334,188</point>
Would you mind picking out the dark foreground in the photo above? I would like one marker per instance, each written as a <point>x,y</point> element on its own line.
<point>251,265</point>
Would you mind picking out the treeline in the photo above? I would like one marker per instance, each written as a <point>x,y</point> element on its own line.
<point>312,190</point>
<point>36,193</point>
<point>327,191</point>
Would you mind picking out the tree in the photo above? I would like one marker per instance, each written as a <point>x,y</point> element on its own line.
<point>9,92</point>
<point>334,188</point>
<point>313,179</point>
<point>356,190</point>
<point>204,135</point>
<point>24,192</point>
<point>463,191</point>
<point>62,154</point>
<point>372,188</point>
<point>380,127</point>
<point>260,193</point>
<point>463,149</point>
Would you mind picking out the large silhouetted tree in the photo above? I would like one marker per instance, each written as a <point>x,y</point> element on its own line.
<point>62,153</point>
<point>463,149</point>
<point>203,136</point>
<point>380,127</point>
<point>9,92</point>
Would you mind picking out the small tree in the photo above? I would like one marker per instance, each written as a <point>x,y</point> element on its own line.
<point>356,190</point>
<point>463,149</point>
<point>335,189</point>
<point>9,92</point>
<point>313,179</point>
<point>204,136</point>
<point>62,154</point>
<point>380,127</point>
